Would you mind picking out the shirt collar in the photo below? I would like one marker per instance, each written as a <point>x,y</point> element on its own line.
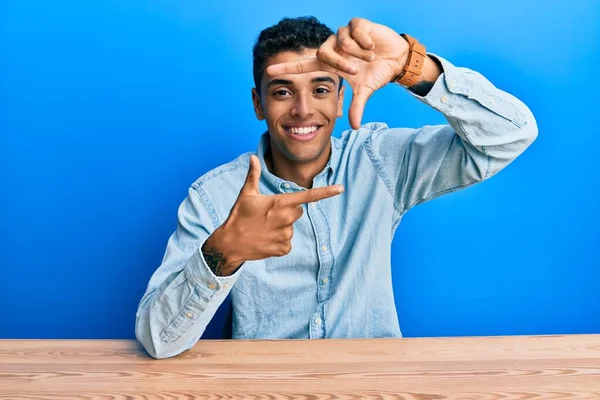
<point>280,185</point>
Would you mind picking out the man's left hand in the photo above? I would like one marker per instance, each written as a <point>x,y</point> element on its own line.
<point>366,54</point>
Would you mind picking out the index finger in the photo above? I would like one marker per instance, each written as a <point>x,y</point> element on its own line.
<point>332,62</point>
<point>309,196</point>
<point>298,67</point>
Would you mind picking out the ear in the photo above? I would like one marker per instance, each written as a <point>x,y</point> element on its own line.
<point>257,107</point>
<point>340,104</point>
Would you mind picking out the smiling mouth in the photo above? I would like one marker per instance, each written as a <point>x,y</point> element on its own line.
<point>302,131</point>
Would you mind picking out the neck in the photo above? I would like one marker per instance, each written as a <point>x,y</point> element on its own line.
<point>302,174</point>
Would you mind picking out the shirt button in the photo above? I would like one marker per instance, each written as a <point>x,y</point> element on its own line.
<point>325,280</point>
<point>452,83</point>
<point>324,248</point>
<point>491,99</point>
<point>313,205</point>
<point>286,185</point>
<point>225,286</point>
<point>189,314</point>
<point>444,99</point>
<point>318,321</point>
<point>212,286</point>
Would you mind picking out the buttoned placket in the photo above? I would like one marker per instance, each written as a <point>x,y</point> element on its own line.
<point>322,237</point>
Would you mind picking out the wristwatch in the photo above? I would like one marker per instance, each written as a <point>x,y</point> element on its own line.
<point>411,73</point>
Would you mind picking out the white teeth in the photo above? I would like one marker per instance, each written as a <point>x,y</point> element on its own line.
<point>303,131</point>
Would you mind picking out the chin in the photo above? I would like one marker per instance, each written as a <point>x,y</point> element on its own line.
<point>302,157</point>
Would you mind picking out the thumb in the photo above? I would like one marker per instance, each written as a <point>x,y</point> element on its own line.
<point>357,106</point>
<point>251,184</point>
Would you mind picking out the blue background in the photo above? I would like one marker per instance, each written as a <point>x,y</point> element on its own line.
<point>110,109</point>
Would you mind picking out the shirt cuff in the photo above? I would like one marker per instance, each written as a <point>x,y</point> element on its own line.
<point>439,96</point>
<point>200,273</point>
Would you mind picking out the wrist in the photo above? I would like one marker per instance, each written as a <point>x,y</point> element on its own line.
<point>399,67</point>
<point>432,70</point>
<point>219,253</point>
<point>412,63</point>
<point>429,75</point>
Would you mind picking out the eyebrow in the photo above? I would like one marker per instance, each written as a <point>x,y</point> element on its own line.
<point>323,79</point>
<point>288,82</point>
<point>279,82</point>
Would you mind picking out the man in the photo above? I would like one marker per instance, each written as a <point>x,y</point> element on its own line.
<point>300,234</point>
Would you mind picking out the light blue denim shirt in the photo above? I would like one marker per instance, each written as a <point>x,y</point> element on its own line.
<point>336,281</point>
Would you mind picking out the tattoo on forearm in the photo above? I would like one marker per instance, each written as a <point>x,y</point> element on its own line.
<point>215,260</point>
<point>421,88</point>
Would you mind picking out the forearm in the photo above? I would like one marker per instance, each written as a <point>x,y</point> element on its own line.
<point>173,315</point>
<point>494,123</point>
<point>183,293</point>
<point>487,129</point>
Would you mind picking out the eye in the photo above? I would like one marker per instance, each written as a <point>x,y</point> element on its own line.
<point>281,93</point>
<point>321,90</point>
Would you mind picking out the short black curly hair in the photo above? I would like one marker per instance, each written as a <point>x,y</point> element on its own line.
<point>289,34</point>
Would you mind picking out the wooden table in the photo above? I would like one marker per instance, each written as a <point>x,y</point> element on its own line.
<point>494,368</point>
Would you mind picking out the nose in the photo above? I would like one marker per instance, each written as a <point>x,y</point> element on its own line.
<point>302,107</point>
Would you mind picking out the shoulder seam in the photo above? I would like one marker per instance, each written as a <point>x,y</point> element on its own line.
<point>218,172</point>
<point>207,202</point>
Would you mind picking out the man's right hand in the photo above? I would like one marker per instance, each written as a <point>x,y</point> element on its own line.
<point>258,226</point>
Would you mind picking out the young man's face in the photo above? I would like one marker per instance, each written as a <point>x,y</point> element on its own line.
<point>300,109</point>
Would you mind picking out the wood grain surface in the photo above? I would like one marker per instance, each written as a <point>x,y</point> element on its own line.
<point>465,368</point>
